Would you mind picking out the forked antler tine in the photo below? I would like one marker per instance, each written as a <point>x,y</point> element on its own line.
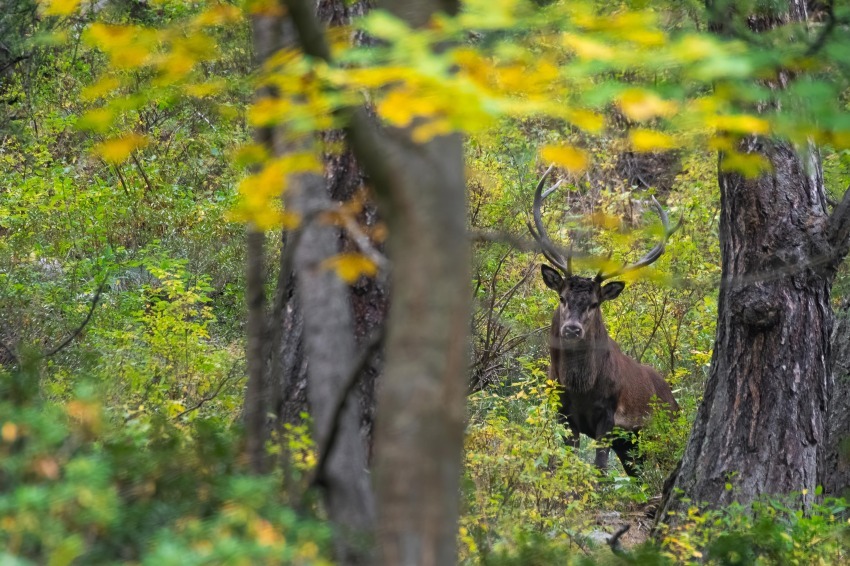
<point>656,252</point>
<point>549,249</point>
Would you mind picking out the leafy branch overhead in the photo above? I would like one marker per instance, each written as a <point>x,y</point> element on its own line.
<point>565,62</point>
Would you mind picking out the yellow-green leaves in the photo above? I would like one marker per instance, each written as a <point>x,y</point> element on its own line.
<point>259,193</point>
<point>650,140</point>
<point>641,105</point>
<point>118,149</point>
<point>59,7</point>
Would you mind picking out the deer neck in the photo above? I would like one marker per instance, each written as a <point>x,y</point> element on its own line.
<point>582,362</point>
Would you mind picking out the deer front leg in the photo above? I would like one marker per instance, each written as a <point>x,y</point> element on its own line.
<point>604,425</point>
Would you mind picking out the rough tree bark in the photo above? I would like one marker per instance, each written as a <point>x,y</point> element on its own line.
<point>421,401</point>
<point>835,464</point>
<point>762,421</point>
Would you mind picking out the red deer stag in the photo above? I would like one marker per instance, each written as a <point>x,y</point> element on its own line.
<point>603,387</point>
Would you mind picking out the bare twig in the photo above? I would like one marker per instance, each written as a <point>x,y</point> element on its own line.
<point>142,173</point>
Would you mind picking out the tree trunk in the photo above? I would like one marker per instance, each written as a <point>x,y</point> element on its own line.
<point>761,426</point>
<point>835,464</point>
<point>329,347</point>
<point>421,400</point>
<point>761,421</point>
<point>368,296</point>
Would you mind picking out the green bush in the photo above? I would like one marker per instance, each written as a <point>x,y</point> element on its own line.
<point>81,484</point>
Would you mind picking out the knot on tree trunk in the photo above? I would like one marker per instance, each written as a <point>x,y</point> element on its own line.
<point>756,309</point>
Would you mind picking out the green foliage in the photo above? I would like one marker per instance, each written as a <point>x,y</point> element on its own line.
<point>771,531</point>
<point>520,478</point>
<point>79,482</point>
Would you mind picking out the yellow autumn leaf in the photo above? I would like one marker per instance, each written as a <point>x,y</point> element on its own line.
<point>638,104</point>
<point>218,15</point>
<point>586,120</point>
<point>431,129</point>
<point>587,48</point>
<point>59,7</point>
<point>742,124</point>
<point>268,111</point>
<point>118,149</point>
<point>350,266</point>
<point>750,165</point>
<point>570,158</point>
<point>127,46</point>
<point>401,106</point>
<point>99,89</point>
<point>9,432</point>
<point>205,89</point>
<point>650,140</point>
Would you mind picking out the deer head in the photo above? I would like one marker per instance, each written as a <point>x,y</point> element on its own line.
<point>579,316</point>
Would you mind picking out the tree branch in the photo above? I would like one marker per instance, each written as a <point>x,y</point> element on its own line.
<point>211,396</point>
<point>614,541</point>
<point>82,325</point>
<point>324,451</point>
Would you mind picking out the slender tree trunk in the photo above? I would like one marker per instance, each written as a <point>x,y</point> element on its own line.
<point>329,346</point>
<point>266,35</point>
<point>421,399</point>
<point>368,296</point>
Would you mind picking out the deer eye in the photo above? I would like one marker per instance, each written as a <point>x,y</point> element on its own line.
<point>594,305</point>
<point>563,300</point>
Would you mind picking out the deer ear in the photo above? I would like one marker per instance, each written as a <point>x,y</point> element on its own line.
<point>612,290</point>
<point>551,277</point>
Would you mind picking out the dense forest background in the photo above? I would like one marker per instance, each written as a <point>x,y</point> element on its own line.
<point>268,294</point>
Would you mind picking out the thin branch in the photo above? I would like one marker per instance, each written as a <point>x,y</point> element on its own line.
<point>142,172</point>
<point>211,396</point>
<point>324,451</point>
<point>614,541</point>
<point>518,242</point>
<point>82,325</point>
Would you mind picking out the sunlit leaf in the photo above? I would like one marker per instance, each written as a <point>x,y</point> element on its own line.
<point>118,149</point>
<point>572,159</point>
<point>350,266</point>
<point>650,140</point>
<point>59,7</point>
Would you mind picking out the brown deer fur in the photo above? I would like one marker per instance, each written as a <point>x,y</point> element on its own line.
<point>603,387</point>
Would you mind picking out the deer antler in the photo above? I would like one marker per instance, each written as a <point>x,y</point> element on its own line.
<point>550,251</point>
<point>654,253</point>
